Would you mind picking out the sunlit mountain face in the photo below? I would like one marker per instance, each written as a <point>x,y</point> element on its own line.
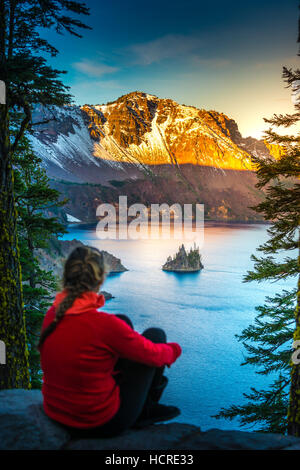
<point>142,129</point>
<point>152,149</point>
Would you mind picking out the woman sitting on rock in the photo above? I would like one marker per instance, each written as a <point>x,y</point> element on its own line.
<point>100,376</point>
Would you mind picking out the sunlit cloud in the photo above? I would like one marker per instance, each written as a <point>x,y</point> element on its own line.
<point>93,69</point>
<point>166,47</point>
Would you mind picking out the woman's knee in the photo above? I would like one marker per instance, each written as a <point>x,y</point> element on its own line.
<point>156,335</point>
<point>125,319</point>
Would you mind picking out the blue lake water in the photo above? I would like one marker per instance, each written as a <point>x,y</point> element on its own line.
<point>201,311</point>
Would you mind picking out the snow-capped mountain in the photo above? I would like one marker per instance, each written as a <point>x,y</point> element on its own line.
<point>66,146</point>
<point>152,150</point>
<point>120,140</point>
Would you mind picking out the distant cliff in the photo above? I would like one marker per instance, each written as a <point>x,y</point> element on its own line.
<point>227,195</point>
<point>184,261</point>
<point>53,258</point>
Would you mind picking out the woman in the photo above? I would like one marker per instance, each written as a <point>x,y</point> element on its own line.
<point>100,376</point>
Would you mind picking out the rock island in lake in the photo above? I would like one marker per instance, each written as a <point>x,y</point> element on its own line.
<point>184,261</point>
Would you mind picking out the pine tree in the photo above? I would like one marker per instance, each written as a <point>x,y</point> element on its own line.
<point>28,80</point>
<point>268,341</point>
<point>34,199</point>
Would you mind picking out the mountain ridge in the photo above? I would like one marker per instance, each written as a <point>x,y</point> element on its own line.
<point>153,150</point>
<point>160,131</point>
<point>136,131</point>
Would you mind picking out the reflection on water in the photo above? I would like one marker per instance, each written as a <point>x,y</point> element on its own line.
<point>202,311</point>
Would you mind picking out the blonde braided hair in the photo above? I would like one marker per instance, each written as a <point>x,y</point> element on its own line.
<point>84,270</point>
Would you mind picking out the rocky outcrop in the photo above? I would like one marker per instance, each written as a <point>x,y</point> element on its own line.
<point>184,261</point>
<point>53,258</point>
<point>24,426</point>
<point>107,295</point>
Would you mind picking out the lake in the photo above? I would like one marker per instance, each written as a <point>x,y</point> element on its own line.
<point>201,311</point>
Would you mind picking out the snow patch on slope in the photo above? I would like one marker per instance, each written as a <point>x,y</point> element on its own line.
<point>70,218</point>
<point>76,148</point>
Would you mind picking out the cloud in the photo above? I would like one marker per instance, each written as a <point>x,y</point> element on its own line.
<point>166,47</point>
<point>93,69</point>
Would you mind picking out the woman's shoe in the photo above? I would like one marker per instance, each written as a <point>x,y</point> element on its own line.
<point>155,414</point>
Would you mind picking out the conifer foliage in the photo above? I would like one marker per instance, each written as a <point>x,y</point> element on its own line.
<point>36,201</point>
<point>268,341</point>
<point>29,80</point>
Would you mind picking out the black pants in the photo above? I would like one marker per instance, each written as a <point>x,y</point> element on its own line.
<point>137,383</point>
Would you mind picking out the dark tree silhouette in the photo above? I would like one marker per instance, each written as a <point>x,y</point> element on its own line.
<point>28,80</point>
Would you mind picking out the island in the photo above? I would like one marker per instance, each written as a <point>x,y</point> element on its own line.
<point>107,295</point>
<point>184,261</point>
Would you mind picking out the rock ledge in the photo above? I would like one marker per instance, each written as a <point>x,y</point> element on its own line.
<point>24,426</point>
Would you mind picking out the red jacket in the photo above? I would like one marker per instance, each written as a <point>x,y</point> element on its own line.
<point>78,361</point>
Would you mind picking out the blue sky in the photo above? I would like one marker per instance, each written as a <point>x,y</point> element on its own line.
<point>226,56</point>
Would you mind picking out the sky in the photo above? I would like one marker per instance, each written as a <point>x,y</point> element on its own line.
<point>215,55</point>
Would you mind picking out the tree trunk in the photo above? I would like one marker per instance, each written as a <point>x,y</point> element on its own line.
<point>294,405</point>
<point>15,372</point>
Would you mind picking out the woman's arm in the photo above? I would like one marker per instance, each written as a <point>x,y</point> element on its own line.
<point>128,343</point>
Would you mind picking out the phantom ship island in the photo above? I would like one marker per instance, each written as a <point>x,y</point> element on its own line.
<point>184,261</point>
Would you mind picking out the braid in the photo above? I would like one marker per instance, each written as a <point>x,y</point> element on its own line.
<point>84,270</point>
